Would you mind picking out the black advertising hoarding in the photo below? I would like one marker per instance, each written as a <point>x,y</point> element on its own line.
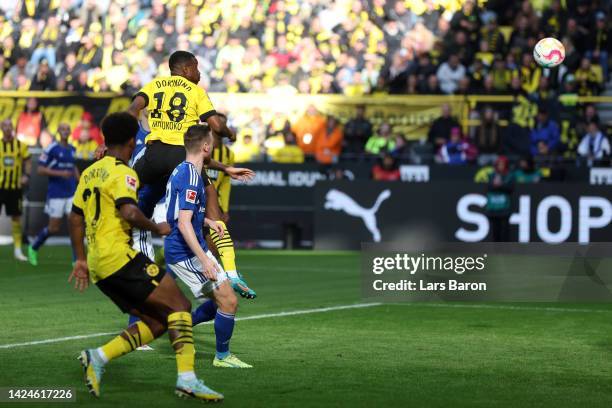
<point>347,214</point>
<point>292,198</point>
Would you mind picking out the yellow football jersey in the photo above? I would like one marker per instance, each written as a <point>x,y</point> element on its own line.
<point>104,186</point>
<point>12,156</point>
<point>220,180</point>
<point>174,104</point>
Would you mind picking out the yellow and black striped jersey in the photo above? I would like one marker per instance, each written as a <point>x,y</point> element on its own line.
<point>12,155</point>
<point>103,188</point>
<point>220,180</point>
<point>174,104</point>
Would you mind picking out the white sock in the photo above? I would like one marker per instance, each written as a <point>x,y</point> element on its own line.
<point>187,376</point>
<point>101,355</point>
<point>232,274</point>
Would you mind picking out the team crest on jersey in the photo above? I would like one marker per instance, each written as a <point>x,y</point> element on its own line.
<point>190,196</point>
<point>130,182</point>
<point>152,270</point>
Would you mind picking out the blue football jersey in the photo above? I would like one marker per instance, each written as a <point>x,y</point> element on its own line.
<point>58,157</point>
<point>184,191</point>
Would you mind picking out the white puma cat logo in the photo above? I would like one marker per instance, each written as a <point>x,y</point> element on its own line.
<point>339,201</point>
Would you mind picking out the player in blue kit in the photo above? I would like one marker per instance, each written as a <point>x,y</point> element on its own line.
<point>57,163</point>
<point>187,254</point>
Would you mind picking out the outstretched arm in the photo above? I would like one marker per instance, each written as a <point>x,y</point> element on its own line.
<point>237,173</point>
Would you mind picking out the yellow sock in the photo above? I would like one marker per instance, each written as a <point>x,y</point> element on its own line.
<point>16,227</point>
<point>225,246</point>
<point>180,323</point>
<point>126,341</point>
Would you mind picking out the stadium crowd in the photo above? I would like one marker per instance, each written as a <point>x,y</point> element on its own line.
<point>350,47</point>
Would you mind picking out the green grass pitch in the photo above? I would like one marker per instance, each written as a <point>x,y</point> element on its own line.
<point>418,355</point>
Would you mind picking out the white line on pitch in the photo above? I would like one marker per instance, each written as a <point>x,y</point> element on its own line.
<point>254,317</point>
<point>503,307</point>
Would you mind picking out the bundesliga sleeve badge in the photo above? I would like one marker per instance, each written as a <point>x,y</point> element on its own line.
<point>130,182</point>
<point>190,196</point>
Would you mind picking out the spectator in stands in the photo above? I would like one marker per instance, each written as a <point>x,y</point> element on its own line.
<point>329,145</point>
<point>290,152</point>
<point>467,20</point>
<point>554,19</point>
<point>432,87</point>
<point>521,35</point>
<point>82,83</point>
<point>257,125</point>
<point>600,42</point>
<point>488,138</point>
<point>546,131</point>
<point>85,147</point>
<point>588,114</point>
<point>450,73</point>
<point>589,78</point>
<point>501,74</point>
<point>498,207</point>
<point>246,149</point>
<point>381,140</point>
<point>68,76</point>
<point>44,79</point>
<point>594,146</point>
<point>89,54</point>
<point>50,38</point>
<point>31,125</point>
<point>440,130</point>
<point>308,128</point>
<point>457,150</point>
<point>492,37</point>
<point>386,169</point>
<point>87,125</point>
<point>401,148</point>
<point>21,69</point>
<point>357,131</point>
<point>527,171</point>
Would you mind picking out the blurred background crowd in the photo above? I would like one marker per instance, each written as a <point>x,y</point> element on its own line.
<point>346,47</point>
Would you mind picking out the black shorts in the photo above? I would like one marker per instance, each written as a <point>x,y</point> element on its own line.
<point>11,200</point>
<point>131,285</point>
<point>159,161</point>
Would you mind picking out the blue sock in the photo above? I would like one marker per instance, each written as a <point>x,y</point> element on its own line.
<point>224,327</point>
<point>132,320</point>
<point>41,238</point>
<point>204,313</point>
